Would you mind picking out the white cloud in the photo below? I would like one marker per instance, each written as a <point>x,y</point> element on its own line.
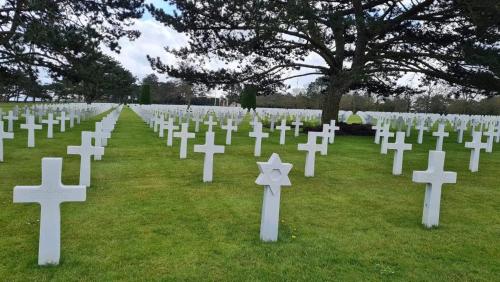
<point>154,37</point>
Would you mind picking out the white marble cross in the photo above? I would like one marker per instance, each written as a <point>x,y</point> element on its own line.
<point>324,139</point>
<point>4,135</point>
<point>209,148</point>
<point>72,119</point>
<point>161,126</point>
<point>50,121</point>
<point>434,177</point>
<point>385,133</point>
<point>31,127</point>
<point>378,128</point>
<point>311,147</point>
<point>62,120</point>
<point>421,128</point>
<point>50,194</point>
<point>409,125</point>
<point>210,122</point>
<point>273,175</point>
<point>108,126</point>
<point>85,150</point>
<point>229,127</point>
<point>99,134</point>
<point>491,136</point>
<point>184,135</point>
<point>78,116</point>
<point>440,134</point>
<point>476,145</point>
<point>461,128</point>
<point>331,132</point>
<point>197,120</point>
<point>156,122</point>
<point>283,128</point>
<point>271,126</point>
<point>170,130</point>
<point>297,123</point>
<point>11,117</point>
<point>400,146</point>
<point>258,135</point>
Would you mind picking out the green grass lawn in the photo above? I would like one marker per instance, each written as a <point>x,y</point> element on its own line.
<point>149,216</point>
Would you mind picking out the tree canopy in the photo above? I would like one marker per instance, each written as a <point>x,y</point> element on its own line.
<point>357,43</point>
<point>59,35</point>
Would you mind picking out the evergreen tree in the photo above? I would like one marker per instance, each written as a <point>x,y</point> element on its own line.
<point>145,94</point>
<point>249,97</point>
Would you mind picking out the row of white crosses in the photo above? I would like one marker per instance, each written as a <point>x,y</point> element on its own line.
<point>327,135</point>
<point>273,177</point>
<point>31,126</point>
<point>52,193</point>
<point>435,175</point>
<point>383,131</point>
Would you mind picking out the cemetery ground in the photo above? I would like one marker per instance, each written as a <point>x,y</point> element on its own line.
<point>148,215</point>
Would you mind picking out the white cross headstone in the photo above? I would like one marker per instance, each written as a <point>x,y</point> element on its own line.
<point>440,134</point>
<point>85,150</point>
<point>421,128</point>
<point>461,128</point>
<point>161,127</point>
<point>258,135</point>
<point>197,120</point>
<point>476,145</point>
<point>210,123</point>
<point>400,146</point>
<point>4,135</point>
<point>50,121</point>
<point>385,134</point>
<point>491,136</point>
<point>331,133</point>
<point>273,175</point>
<point>62,120</point>
<point>72,119</point>
<point>324,139</point>
<point>31,127</point>
<point>297,123</point>
<point>311,147</point>
<point>434,177</point>
<point>283,128</point>
<point>11,117</point>
<point>378,128</point>
<point>50,194</point>
<point>229,127</point>
<point>271,126</point>
<point>209,148</point>
<point>409,125</point>
<point>170,130</point>
<point>99,135</point>
<point>184,135</point>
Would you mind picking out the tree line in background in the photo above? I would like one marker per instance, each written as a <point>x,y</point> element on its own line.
<point>440,104</point>
<point>436,98</point>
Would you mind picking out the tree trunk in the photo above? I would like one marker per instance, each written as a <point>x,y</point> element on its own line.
<point>337,87</point>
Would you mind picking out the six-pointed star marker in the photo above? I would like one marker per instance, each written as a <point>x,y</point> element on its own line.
<point>274,173</point>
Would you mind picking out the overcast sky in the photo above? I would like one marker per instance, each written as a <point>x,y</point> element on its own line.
<point>155,36</point>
